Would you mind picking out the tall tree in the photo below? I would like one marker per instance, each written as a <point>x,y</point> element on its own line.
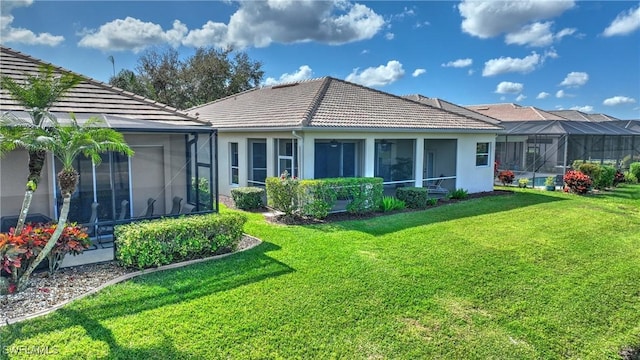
<point>36,94</point>
<point>67,142</point>
<point>208,75</point>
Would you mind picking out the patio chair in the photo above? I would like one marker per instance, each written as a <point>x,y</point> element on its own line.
<point>175,208</point>
<point>150,203</point>
<point>124,207</point>
<point>436,188</point>
<point>187,209</point>
<point>91,224</point>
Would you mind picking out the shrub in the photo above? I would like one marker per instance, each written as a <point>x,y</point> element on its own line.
<point>414,197</point>
<point>618,178</point>
<point>506,177</point>
<point>459,194</point>
<point>590,169</point>
<point>282,193</point>
<point>164,241</point>
<point>577,181</point>
<point>629,178</point>
<point>634,169</point>
<point>523,182</point>
<point>248,198</point>
<point>390,203</point>
<point>432,201</point>
<point>17,252</point>
<point>317,197</point>
<point>605,178</point>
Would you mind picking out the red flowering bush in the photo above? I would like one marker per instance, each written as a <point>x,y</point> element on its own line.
<point>577,182</point>
<point>618,178</point>
<point>506,177</point>
<point>18,251</point>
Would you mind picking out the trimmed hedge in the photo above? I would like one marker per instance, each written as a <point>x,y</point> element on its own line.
<point>318,196</point>
<point>634,169</point>
<point>248,198</point>
<point>164,241</point>
<point>414,197</point>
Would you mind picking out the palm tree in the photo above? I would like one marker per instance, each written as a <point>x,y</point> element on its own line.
<point>67,142</point>
<point>37,94</point>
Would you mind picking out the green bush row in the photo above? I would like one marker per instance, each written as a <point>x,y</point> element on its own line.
<point>634,171</point>
<point>316,197</point>
<point>164,241</point>
<point>248,198</point>
<point>602,176</point>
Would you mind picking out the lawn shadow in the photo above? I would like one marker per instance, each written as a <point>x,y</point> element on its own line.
<point>382,225</point>
<point>177,286</point>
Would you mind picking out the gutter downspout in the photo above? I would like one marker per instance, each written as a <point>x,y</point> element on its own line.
<point>300,153</point>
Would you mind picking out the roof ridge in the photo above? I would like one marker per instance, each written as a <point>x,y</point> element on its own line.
<point>315,103</point>
<point>103,85</point>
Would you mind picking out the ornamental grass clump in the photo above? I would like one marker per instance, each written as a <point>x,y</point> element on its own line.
<point>577,182</point>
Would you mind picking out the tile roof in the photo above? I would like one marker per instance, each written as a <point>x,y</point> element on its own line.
<point>576,115</point>
<point>329,103</point>
<point>90,96</point>
<point>514,112</point>
<point>443,104</point>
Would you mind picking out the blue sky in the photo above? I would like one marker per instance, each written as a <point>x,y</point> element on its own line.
<point>550,54</point>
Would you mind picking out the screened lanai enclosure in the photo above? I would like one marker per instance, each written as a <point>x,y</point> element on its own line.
<point>537,149</point>
<point>172,172</point>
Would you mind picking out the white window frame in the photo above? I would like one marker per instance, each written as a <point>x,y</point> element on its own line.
<point>233,167</point>
<point>487,154</point>
<point>292,157</point>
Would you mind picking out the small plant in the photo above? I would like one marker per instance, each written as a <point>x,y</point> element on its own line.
<point>550,181</point>
<point>390,203</point>
<point>618,178</point>
<point>506,177</point>
<point>523,182</point>
<point>577,182</point>
<point>248,198</point>
<point>634,169</point>
<point>282,193</point>
<point>432,201</point>
<point>459,194</point>
<point>414,197</point>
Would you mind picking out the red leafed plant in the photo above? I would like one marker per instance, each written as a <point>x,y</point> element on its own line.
<point>17,251</point>
<point>506,177</point>
<point>577,182</point>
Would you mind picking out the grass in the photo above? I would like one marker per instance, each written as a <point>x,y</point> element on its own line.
<point>531,275</point>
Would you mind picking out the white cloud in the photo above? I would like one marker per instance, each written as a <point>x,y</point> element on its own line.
<point>507,87</point>
<point>389,36</point>
<point>460,63</point>
<point>538,34</point>
<point>543,95</point>
<point>586,108</point>
<point>132,34</point>
<point>485,19</point>
<point>521,97</point>
<point>304,72</point>
<point>260,23</point>
<point>575,79</point>
<point>418,72</point>
<point>625,23</point>
<point>470,72</point>
<point>418,25</point>
<point>17,35</point>
<point>505,65</point>
<point>618,100</point>
<point>561,94</point>
<point>365,51</point>
<point>379,76</point>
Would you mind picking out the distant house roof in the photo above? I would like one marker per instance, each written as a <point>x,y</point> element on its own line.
<point>514,112</point>
<point>330,103</point>
<point>119,108</point>
<point>576,115</point>
<point>561,127</point>
<point>443,104</point>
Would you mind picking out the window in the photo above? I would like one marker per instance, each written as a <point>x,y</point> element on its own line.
<point>335,158</point>
<point>257,162</point>
<point>235,170</point>
<point>482,154</point>
<point>287,156</point>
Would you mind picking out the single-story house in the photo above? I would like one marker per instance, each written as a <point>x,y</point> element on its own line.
<point>538,143</point>
<point>172,149</point>
<point>326,127</point>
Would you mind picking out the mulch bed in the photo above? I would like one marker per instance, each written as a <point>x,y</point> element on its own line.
<point>344,216</point>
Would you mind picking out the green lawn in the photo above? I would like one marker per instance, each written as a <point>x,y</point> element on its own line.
<point>530,275</point>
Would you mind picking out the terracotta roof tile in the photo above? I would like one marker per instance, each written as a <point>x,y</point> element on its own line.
<point>513,112</point>
<point>90,96</point>
<point>329,103</point>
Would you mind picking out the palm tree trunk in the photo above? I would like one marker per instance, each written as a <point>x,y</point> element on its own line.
<point>23,282</point>
<point>36,163</point>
